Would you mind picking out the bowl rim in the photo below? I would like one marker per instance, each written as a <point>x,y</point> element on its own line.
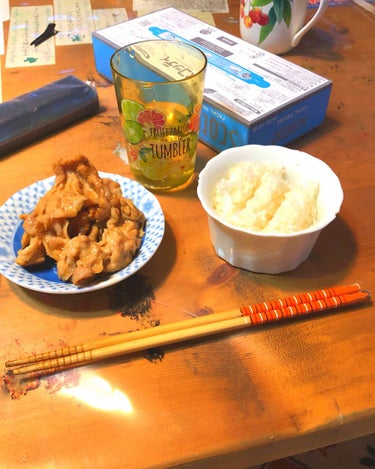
<point>237,151</point>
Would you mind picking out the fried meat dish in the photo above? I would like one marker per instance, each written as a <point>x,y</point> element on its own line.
<point>84,223</point>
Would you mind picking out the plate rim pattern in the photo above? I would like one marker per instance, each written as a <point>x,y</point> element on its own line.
<point>25,199</point>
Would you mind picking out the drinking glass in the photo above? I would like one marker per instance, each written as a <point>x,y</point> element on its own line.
<point>159,87</point>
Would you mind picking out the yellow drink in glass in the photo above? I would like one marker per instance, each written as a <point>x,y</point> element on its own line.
<point>159,93</point>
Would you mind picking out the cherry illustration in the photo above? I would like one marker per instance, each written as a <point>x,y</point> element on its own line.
<point>263,19</point>
<point>255,14</point>
<point>248,22</point>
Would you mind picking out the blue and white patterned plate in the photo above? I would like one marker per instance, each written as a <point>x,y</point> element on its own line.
<point>44,277</point>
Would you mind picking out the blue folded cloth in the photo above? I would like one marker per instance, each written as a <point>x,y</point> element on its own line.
<point>35,114</point>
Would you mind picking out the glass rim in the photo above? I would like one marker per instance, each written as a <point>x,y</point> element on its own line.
<point>174,41</point>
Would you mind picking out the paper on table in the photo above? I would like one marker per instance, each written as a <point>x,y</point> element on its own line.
<point>4,16</point>
<point>213,6</point>
<point>74,21</point>
<point>108,16</point>
<point>4,10</point>
<point>26,24</point>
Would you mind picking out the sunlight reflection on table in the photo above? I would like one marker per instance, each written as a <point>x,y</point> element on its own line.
<point>100,394</point>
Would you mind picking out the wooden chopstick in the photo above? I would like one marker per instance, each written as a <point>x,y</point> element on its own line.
<point>127,336</point>
<point>187,323</point>
<point>178,334</point>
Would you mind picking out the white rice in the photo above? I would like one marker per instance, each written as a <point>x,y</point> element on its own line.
<point>264,197</point>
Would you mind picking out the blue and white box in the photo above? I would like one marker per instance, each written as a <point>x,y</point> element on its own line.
<point>251,96</point>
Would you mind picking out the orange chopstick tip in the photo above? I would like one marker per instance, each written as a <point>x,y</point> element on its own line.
<point>367,294</point>
<point>307,302</point>
<point>357,297</point>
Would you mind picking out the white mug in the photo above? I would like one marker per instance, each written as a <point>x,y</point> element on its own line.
<point>277,25</point>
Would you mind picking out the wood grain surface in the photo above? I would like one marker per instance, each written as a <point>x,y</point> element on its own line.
<point>232,400</point>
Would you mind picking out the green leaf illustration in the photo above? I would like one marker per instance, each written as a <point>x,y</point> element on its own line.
<point>280,10</point>
<point>144,153</point>
<point>265,30</point>
<point>260,3</point>
<point>287,12</point>
<point>278,6</point>
<point>31,60</point>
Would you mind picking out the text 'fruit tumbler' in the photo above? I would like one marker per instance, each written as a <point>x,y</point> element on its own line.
<point>159,87</point>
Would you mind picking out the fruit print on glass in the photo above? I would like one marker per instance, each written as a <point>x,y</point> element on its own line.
<point>159,87</point>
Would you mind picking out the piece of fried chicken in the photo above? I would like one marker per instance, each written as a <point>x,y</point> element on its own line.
<point>84,223</point>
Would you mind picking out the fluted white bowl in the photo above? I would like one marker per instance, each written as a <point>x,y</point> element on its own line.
<point>259,251</point>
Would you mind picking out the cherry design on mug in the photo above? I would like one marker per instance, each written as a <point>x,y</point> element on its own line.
<point>251,13</point>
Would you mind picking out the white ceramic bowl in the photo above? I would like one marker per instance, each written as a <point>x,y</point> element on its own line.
<point>258,251</point>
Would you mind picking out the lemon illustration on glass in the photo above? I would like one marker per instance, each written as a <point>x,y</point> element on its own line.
<point>132,129</point>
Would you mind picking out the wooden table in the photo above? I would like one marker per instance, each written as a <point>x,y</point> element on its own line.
<point>229,401</point>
